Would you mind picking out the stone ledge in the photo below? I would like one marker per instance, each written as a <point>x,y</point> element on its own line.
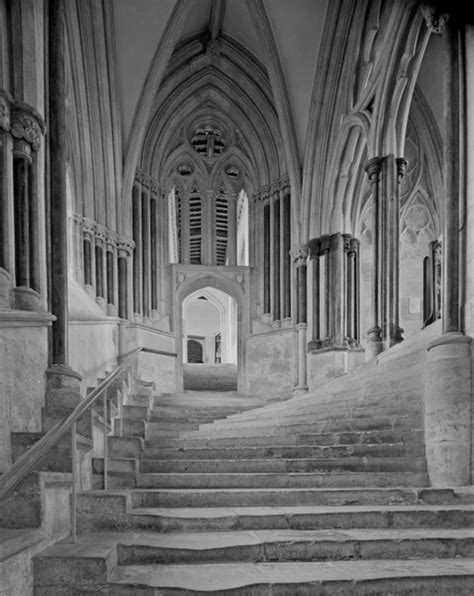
<point>25,318</point>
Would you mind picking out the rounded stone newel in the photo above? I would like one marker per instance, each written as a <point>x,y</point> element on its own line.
<point>448,396</point>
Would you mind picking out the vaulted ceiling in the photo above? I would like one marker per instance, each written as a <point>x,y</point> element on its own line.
<point>296,27</point>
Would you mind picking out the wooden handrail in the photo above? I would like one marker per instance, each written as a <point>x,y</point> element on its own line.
<point>25,464</point>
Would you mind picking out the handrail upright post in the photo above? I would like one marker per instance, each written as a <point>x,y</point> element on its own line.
<point>74,483</point>
<point>106,446</point>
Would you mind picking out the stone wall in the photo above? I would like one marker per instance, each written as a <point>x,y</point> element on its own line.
<point>271,361</point>
<point>23,361</point>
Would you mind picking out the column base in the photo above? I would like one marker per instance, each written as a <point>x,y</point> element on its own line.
<point>25,298</point>
<point>63,387</point>
<point>447,417</point>
<point>297,391</point>
<point>374,343</point>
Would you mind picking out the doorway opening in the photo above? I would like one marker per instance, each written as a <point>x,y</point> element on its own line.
<point>209,327</point>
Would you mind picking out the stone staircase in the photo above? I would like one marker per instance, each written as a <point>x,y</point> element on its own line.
<point>228,494</point>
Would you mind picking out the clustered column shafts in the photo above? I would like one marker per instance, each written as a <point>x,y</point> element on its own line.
<point>6,234</point>
<point>299,255</point>
<point>335,287</point>
<point>146,253</point>
<point>385,175</point>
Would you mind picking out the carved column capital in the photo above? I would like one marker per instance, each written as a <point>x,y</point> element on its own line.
<point>5,122</point>
<point>26,125</point>
<point>373,168</point>
<point>435,18</point>
<point>125,246</point>
<point>88,228</point>
<point>402,164</point>
<point>299,254</point>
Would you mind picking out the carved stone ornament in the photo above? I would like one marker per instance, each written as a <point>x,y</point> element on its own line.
<point>4,114</point>
<point>180,278</point>
<point>100,234</point>
<point>24,126</point>
<point>285,184</point>
<point>214,47</point>
<point>299,254</point>
<point>435,19</point>
<point>88,228</point>
<point>373,168</point>
<point>125,246</point>
<point>402,164</point>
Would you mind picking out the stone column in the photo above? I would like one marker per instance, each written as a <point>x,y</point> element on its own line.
<point>137,254</point>
<point>154,223</point>
<point>146,255</point>
<point>63,388</point>
<point>286,245</point>
<point>299,254</point>
<point>7,267</point>
<point>448,381</point>
<point>276,247</point>
<point>88,249</point>
<point>112,274</point>
<point>374,339</point>
<point>266,260</point>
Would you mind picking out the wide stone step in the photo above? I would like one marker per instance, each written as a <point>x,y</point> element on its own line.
<point>294,480</point>
<point>257,547</point>
<point>274,497</point>
<point>156,427</point>
<point>352,464</point>
<point>367,424</point>
<point>303,451</point>
<point>423,577</point>
<point>322,439</point>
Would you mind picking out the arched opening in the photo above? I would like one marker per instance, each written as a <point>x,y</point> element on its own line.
<point>209,334</point>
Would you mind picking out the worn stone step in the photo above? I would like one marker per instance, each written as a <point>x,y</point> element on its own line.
<point>240,546</point>
<point>98,511</point>
<point>115,465</point>
<point>364,450</point>
<point>286,545</point>
<point>369,424</point>
<point>155,427</point>
<point>423,577</point>
<point>323,439</point>
<point>275,497</point>
<point>283,480</point>
<point>352,464</point>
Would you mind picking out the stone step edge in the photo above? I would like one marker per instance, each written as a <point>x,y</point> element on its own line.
<point>221,577</point>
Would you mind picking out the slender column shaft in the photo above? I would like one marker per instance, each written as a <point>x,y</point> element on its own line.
<point>299,255</point>
<point>22,219</point>
<point>99,271</point>
<point>4,206</point>
<point>146,266</point>
<point>327,293</point>
<point>123,284</point>
<point>373,170</point>
<point>266,259</point>
<point>110,276</point>
<point>87,261</point>
<point>154,253</point>
<point>57,159</point>
<point>316,300</point>
<point>451,318</point>
<point>301,311</point>
<point>337,289</point>
<point>137,254</point>
<point>349,258</point>
<point>286,270</point>
<point>276,261</point>
<point>34,226</point>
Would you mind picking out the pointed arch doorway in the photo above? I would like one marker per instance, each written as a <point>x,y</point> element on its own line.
<point>211,310</point>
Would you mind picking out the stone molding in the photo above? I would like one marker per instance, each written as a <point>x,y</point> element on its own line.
<point>281,185</point>
<point>21,120</point>
<point>299,254</point>
<point>147,181</point>
<point>434,17</point>
<point>102,235</point>
<point>453,337</point>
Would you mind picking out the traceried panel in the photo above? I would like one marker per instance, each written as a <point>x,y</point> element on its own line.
<point>222,228</point>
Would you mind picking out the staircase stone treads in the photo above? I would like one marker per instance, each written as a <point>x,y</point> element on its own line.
<point>233,494</point>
